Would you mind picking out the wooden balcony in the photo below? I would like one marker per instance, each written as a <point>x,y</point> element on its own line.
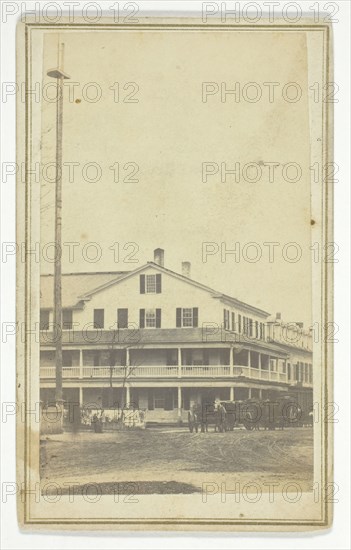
<point>169,372</point>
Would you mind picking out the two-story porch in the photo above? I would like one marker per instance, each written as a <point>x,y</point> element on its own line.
<point>166,378</point>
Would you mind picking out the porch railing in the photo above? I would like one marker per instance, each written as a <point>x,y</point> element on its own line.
<point>184,371</point>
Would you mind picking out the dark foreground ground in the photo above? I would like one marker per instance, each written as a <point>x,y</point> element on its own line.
<point>172,460</point>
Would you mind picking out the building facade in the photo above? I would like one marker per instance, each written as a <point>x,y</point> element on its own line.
<point>161,341</point>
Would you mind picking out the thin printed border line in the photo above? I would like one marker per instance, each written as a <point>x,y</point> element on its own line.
<point>28,212</point>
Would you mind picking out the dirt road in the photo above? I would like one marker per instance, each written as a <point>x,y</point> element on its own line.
<point>174,460</point>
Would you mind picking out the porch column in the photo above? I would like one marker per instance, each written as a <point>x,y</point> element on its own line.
<point>286,369</point>
<point>260,393</point>
<point>179,351</point>
<point>231,396</point>
<point>269,367</point>
<point>231,361</point>
<point>127,394</point>
<point>80,363</point>
<point>248,358</point>
<point>127,358</point>
<point>250,393</point>
<point>80,398</point>
<point>179,402</point>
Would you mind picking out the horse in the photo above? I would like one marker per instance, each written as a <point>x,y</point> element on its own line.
<point>220,418</point>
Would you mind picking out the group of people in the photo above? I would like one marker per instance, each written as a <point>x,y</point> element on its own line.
<point>199,417</point>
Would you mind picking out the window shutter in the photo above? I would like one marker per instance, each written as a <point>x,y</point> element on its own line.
<point>122,318</point>
<point>233,320</point>
<point>195,316</point>
<point>224,319</point>
<point>142,318</point>
<point>158,283</point>
<point>158,318</point>
<point>179,317</point>
<point>142,284</point>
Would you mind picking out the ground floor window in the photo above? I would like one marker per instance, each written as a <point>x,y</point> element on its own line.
<point>162,398</point>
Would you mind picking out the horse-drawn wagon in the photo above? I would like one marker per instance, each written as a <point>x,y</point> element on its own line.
<point>252,414</point>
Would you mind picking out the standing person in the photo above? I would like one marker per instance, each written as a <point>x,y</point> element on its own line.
<point>94,422</point>
<point>193,419</point>
<point>202,417</point>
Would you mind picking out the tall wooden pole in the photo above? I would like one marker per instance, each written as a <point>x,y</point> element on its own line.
<point>58,239</point>
<point>60,76</point>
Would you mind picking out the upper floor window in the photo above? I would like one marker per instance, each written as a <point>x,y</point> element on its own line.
<point>44,319</point>
<point>226,317</point>
<point>99,318</point>
<point>150,284</point>
<point>122,317</point>
<point>150,318</point>
<point>187,317</point>
<point>251,325</point>
<point>67,319</point>
<point>245,325</point>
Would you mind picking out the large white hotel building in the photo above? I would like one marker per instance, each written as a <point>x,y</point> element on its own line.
<point>163,341</point>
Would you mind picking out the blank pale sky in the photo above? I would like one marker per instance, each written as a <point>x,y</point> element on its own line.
<point>169,133</point>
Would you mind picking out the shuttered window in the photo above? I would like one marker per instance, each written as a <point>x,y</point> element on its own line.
<point>187,317</point>
<point>99,318</point>
<point>150,318</point>
<point>151,284</point>
<point>122,317</point>
<point>226,318</point>
<point>67,319</point>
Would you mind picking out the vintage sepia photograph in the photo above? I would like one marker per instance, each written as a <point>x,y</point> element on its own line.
<point>174,293</point>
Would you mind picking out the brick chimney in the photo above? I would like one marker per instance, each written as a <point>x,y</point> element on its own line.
<point>186,269</point>
<point>159,256</point>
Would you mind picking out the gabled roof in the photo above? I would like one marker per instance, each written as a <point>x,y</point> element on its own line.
<point>80,287</point>
<point>214,293</point>
<point>73,285</point>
